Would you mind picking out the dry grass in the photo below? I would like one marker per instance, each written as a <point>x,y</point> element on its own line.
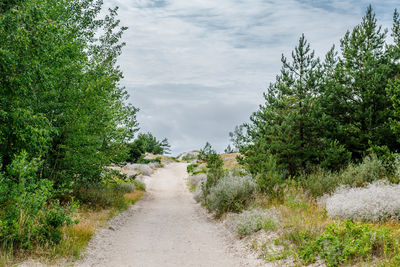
<point>134,196</point>
<point>77,237</point>
<point>230,161</point>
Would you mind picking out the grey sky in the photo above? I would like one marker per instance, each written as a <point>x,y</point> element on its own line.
<point>197,68</point>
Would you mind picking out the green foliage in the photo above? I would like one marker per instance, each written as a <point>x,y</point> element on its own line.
<point>255,223</point>
<point>101,196</point>
<point>336,156</point>
<point>322,182</point>
<point>60,109</point>
<point>63,113</point>
<point>206,152</point>
<point>214,173</point>
<point>324,114</point>
<point>146,143</point>
<point>269,179</point>
<point>147,161</point>
<point>355,99</point>
<point>191,168</point>
<point>28,215</point>
<point>341,243</point>
<point>139,185</point>
<point>229,194</point>
<point>229,149</point>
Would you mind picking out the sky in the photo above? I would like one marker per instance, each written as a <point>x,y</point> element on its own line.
<point>198,68</point>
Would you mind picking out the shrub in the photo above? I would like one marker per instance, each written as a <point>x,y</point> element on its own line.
<point>188,156</point>
<point>148,161</point>
<point>371,169</point>
<point>251,221</point>
<point>270,179</point>
<point>196,180</point>
<point>214,173</point>
<point>341,243</point>
<point>378,201</point>
<point>198,195</point>
<point>396,166</point>
<point>142,169</point>
<point>125,187</point>
<point>154,165</point>
<point>206,152</point>
<point>231,193</point>
<point>139,185</point>
<point>29,214</point>
<point>336,156</point>
<point>100,196</point>
<point>320,182</point>
<point>191,167</point>
<point>323,182</point>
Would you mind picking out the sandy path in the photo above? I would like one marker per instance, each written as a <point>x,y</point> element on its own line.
<point>165,228</point>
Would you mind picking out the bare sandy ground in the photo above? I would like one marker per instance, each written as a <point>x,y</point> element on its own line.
<point>166,228</point>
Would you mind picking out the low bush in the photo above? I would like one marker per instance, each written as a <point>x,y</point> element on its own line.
<point>139,185</point>
<point>154,165</point>
<point>191,168</point>
<point>101,196</point>
<point>371,169</point>
<point>270,179</point>
<point>323,182</point>
<point>378,201</point>
<point>341,243</point>
<point>197,180</point>
<point>147,161</point>
<point>251,221</point>
<point>320,182</point>
<point>198,195</point>
<point>206,152</point>
<point>29,215</point>
<point>231,193</point>
<point>142,169</point>
<point>125,188</point>
<point>215,172</point>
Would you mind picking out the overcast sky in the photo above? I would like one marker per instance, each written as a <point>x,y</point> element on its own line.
<point>198,68</point>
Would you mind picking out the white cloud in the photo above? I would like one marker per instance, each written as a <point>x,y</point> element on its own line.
<point>220,53</point>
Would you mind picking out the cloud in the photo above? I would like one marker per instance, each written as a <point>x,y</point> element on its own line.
<point>197,68</point>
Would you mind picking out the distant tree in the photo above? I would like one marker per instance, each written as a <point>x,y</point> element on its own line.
<point>229,149</point>
<point>147,143</point>
<point>206,152</point>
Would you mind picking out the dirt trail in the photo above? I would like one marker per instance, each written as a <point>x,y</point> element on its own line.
<point>165,228</point>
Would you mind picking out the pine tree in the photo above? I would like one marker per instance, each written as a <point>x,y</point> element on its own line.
<point>285,125</point>
<point>354,97</point>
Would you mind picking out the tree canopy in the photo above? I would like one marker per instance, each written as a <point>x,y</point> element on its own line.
<point>327,112</point>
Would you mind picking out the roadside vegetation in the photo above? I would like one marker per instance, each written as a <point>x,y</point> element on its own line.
<point>318,171</point>
<point>64,124</point>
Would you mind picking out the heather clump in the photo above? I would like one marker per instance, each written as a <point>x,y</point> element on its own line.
<point>375,202</point>
<point>231,193</point>
<point>196,180</point>
<point>251,221</point>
